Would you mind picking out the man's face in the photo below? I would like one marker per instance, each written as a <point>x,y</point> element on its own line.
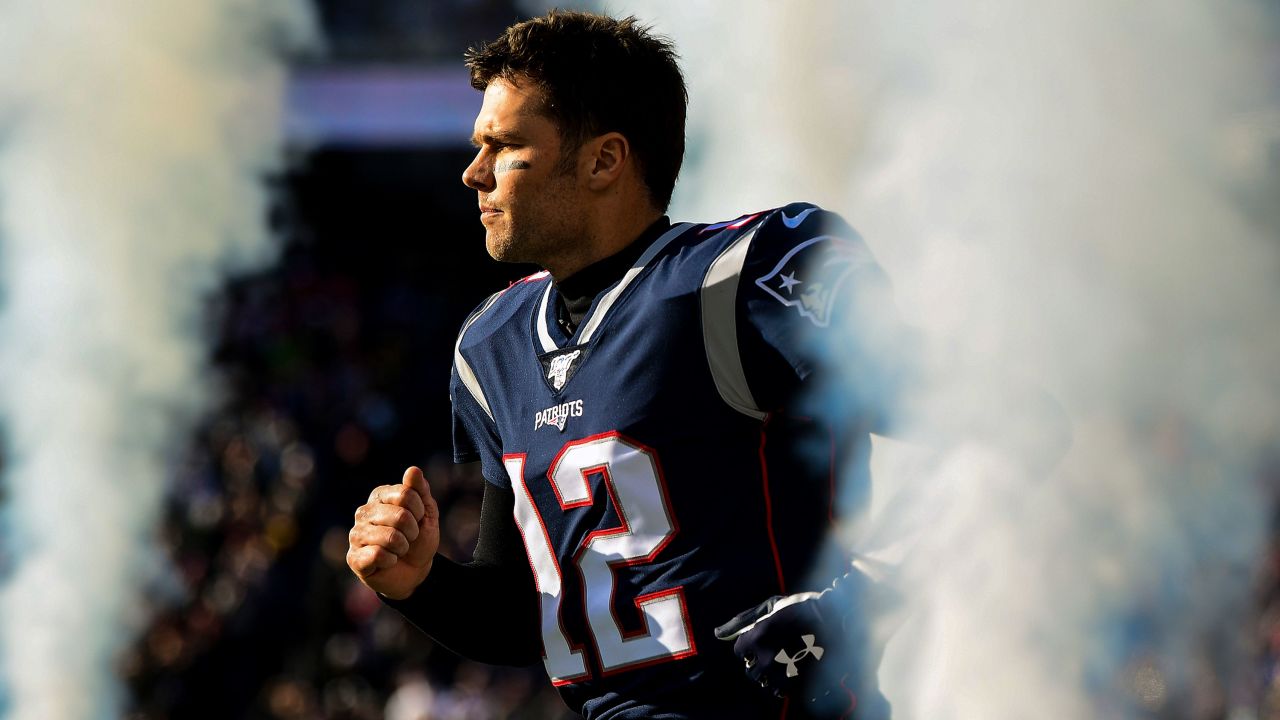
<point>527,199</point>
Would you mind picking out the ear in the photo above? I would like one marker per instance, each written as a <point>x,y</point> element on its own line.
<point>610,155</point>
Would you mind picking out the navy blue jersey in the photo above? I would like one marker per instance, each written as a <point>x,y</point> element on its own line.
<point>639,452</point>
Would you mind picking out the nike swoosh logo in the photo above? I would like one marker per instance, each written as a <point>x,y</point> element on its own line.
<point>794,222</point>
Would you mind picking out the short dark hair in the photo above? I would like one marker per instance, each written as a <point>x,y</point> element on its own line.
<point>598,75</point>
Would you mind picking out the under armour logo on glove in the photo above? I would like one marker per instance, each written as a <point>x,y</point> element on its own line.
<point>834,673</point>
<point>765,638</point>
<point>809,649</point>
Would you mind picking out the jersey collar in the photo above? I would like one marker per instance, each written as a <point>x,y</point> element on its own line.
<point>603,302</point>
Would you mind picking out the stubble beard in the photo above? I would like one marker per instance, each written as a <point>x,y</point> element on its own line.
<point>509,245</point>
<point>542,241</point>
<point>544,249</point>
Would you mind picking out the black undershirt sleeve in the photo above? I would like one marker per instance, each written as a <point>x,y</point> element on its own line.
<point>485,610</point>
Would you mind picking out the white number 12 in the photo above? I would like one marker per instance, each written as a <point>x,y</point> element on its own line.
<point>633,482</point>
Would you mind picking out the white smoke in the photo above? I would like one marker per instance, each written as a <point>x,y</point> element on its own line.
<point>1050,189</point>
<point>1075,193</point>
<point>134,141</point>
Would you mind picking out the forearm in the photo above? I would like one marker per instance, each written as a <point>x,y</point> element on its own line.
<point>482,612</point>
<point>485,610</point>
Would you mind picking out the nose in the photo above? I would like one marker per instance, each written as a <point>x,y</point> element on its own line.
<point>479,174</point>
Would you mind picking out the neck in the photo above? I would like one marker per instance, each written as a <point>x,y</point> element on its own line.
<point>577,292</point>
<point>606,234</point>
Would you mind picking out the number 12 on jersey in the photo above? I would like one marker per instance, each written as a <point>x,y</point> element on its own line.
<point>632,479</point>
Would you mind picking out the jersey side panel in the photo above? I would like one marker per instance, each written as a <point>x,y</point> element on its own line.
<point>811,294</point>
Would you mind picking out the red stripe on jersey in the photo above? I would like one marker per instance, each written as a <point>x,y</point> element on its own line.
<point>729,224</point>
<point>529,278</point>
<point>768,510</point>
<point>853,700</point>
<point>831,468</point>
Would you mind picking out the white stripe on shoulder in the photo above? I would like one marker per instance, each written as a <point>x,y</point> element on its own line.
<point>465,373</point>
<point>720,326</point>
<point>602,309</point>
<point>544,335</point>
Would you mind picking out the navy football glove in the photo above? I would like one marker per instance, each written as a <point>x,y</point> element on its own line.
<point>815,647</point>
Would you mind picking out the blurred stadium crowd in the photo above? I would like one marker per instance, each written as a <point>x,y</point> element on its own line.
<point>336,364</point>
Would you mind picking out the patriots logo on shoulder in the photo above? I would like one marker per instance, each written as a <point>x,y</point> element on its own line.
<point>808,278</point>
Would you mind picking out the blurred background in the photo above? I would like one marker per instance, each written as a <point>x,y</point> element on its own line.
<point>327,376</point>
<point>337,362</point>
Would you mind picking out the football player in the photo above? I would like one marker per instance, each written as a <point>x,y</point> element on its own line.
<point>653,515</point>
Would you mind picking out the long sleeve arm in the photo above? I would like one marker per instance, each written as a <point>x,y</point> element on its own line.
<point>472,608</point>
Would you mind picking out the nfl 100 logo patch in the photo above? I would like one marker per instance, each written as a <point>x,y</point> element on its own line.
<point>559,366</point>
<point>558,373</point>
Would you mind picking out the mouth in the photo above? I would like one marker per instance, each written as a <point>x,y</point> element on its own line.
<point>487,212</point>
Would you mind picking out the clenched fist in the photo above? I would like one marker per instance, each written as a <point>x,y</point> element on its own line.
<point>395,536</point>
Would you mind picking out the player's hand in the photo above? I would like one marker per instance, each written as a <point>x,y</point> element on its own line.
<point>395,536</point>
<point>817,647</point>
<point>789,646</point>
